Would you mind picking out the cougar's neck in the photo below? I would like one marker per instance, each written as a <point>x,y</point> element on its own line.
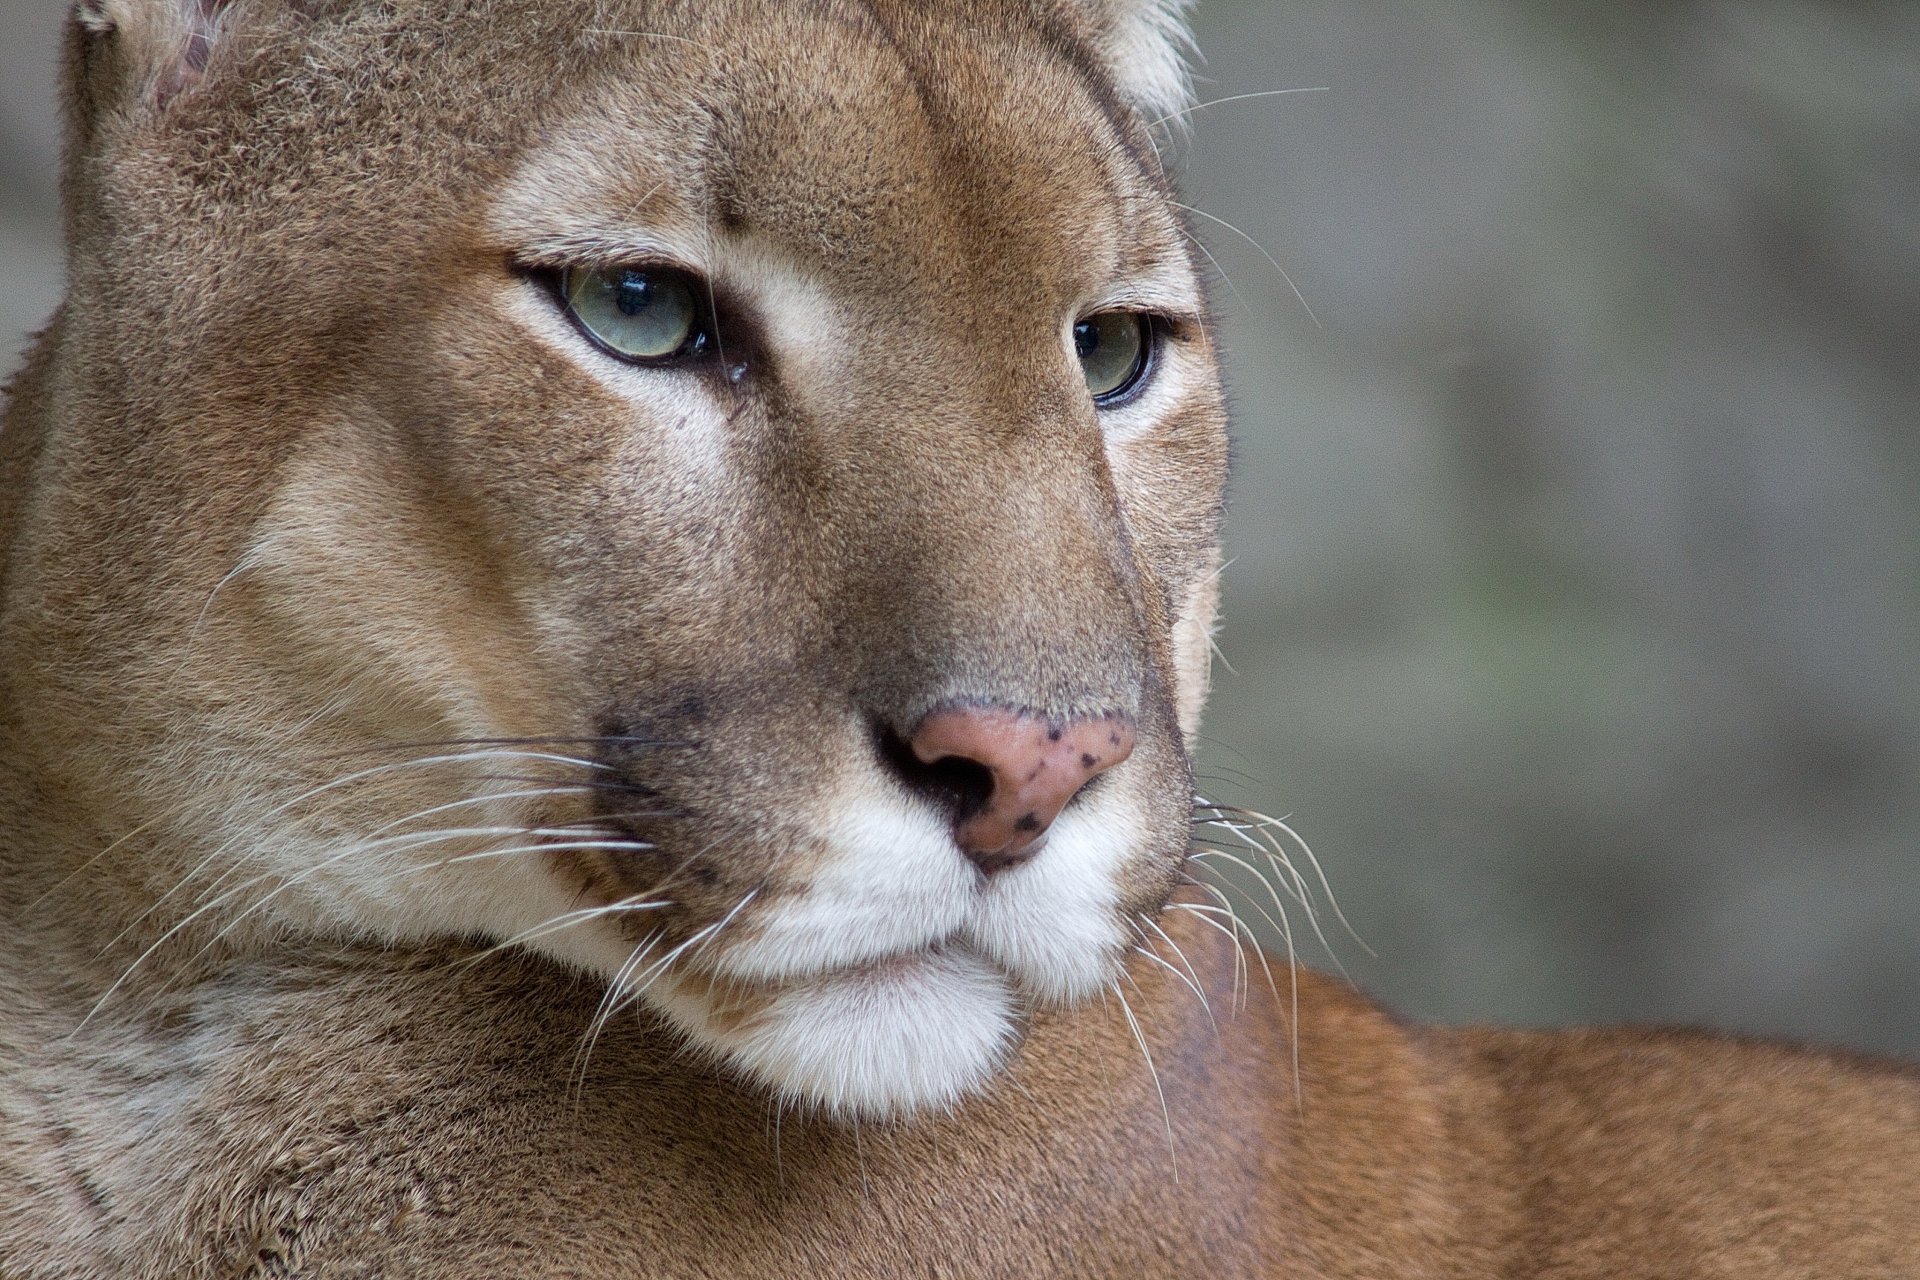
<point>25,803</point>
<point>22,431</point>
<point>68,904</point>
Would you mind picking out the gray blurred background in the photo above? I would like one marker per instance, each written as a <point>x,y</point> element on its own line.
<point>1575,597</point>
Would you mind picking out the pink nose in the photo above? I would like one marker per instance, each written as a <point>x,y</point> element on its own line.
<point>1037,765</point>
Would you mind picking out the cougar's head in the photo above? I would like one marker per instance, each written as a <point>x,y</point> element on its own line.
<point>724,494</point>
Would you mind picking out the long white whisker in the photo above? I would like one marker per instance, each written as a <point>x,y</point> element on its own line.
<point>704,938</point>
<point>1235,97</point>
<point>481,855</point>
<point>1227,855</point>
<point>1140,1038</point>
<point>1181,955</point>
<point>408,840</point>
<point>1232,288</point>
<point>360,850</point>
<point>525,793</point>
<point>567,919</point>
<point>1242,978</point>
<point>1293,975</point>
<point>1273,261</point>
<point>625,996</point>
<point>1296,884</point>
<point>314,792</point>
<point>1184,981</point>
<point>1225,904</point>
<point>249,559</point>
<point>604,1012</point>
<point>1263,821</point>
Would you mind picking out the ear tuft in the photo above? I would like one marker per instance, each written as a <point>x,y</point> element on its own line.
<point>162,46</point>
<point>1146,45</point>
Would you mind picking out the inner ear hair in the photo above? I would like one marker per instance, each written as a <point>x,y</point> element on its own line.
<point>1146,45</point>
<point>145,52</point>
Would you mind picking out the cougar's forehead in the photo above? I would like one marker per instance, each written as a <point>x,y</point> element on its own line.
<point>885,150</point>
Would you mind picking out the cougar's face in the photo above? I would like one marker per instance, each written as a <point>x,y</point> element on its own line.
<point>746,529</point>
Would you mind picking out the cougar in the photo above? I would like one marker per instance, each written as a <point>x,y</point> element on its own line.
<point>603,611</point>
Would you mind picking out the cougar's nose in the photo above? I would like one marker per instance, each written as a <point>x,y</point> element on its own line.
<point>1035,765</point>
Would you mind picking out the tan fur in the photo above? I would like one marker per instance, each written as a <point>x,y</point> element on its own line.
<point>318,518</point>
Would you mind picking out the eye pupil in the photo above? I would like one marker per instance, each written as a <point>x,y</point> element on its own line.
<point>634,295</point>
<point>1086,336</point>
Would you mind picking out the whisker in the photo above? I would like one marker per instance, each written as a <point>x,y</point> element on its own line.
<point>1281,825</point>
<point>543,740</point>
<point>358,850</point>
<point>1295,886</point>
<point>526,793</point>
<point>1229,856</point>
<point>312,793</point>
<point>1185,981</point>
<point>558,846</point>
<point>65,880</point>
<point>618,999</point>
<point>1254,820</point>
<point>1273,261</point>
<point>1293,970</point>
<point>566,920</point>
<point>704,938</point>
<point>1226,279</point>
<point>1235,97</point>
<point>584,1054</point>
<point>250,559</point>
<point>610,817</point>
<point>1192,974</point>
<point>1241,976</point>
<point>585,784</point>
<point>1140,1038</point>
<point>1224,905</point>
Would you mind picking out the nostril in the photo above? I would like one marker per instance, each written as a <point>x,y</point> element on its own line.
<point>962,786</point>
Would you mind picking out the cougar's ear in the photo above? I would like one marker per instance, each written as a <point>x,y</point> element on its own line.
<point>129,54</point>
<point>1145,45</point>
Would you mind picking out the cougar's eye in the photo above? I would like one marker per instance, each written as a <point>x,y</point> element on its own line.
<point>643,314</point>
<point>1113,347</point>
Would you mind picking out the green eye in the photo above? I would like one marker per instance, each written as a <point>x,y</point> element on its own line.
<point>643,314</point>
<point>1113,347</point>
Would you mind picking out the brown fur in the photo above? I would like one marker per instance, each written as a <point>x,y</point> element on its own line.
<point>304,481</point>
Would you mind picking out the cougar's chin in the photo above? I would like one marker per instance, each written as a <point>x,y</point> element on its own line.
<point>910,1033</point>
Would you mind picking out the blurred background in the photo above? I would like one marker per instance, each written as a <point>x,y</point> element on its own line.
<point>1574,608</point>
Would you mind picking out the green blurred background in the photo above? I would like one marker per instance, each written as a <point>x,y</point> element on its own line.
<point>1575,598</point>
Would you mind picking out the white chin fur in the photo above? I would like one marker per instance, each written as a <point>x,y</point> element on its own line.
<point>911,1034</point>
<point>1053,920</point>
